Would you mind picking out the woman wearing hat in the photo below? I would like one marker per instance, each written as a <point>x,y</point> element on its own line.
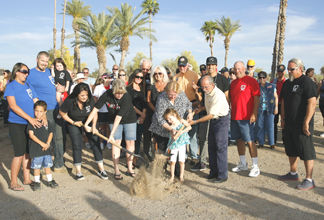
<point>268,108</point>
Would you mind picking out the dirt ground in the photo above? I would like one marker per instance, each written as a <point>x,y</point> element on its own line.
<point>241,197</point>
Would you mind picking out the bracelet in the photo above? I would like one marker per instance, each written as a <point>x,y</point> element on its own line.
<point>73,122</point>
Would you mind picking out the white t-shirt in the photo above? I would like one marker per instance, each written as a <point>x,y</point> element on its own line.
<point>98,91</point>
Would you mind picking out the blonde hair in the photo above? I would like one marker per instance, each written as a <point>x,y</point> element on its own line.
<point>118,86</point>
<point>173,86</point>
<point>171,111</point>
<point>162,70</point>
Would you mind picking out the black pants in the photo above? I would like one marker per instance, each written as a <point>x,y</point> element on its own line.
<point>76,137</point>
<point>162,142</point>
<point>276,120</point>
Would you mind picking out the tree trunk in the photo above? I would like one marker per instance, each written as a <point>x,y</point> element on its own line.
<point>63,31</point>
<point>124,44</point>
<point>211,44</point>
<point>76,67</point>
<point>54,29</point>
<point>276,46</point>
<point>122,59</point>
<point>150,21</point>
<point>283,5</point>
<point>101,56</point>
<point>227,44</point>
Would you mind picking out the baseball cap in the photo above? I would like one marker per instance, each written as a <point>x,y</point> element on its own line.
<point>202,67</point>
<point>281,68</point>
<point>262,74</point>
<point>182,61</point>
<point>211,61</point>
<point>224,69</point>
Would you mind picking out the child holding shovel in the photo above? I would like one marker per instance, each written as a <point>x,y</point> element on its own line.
<point>178,140</point>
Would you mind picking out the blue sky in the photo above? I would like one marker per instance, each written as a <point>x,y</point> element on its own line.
<point>26,28</point>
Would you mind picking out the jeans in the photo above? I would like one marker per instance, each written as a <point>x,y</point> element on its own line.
<point>203,128</point>
<point>76,138</point>
<point>193,139</point>
<point>217,146</point>
<point>52,117</point>
<point>265,125</point>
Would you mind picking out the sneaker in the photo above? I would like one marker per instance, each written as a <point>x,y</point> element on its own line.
<point>255,171</point>
<point>52,184</point>
<point>59,169</point>
<point>240,167</point>
<point>87,145</point>
<point>109,146</point>
<point>322,135</point>
<point>36,186</point>
<point>306,185</point>
<point>103,175</point>
<point>198,167</point>
<point>289,176</point>
<point>79,177</point>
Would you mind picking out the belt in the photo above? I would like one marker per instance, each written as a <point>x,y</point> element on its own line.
<point>214,119</point>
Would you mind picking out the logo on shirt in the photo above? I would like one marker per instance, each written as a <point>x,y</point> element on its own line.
<point>52,80</point>
<point>62,74</point>
<point>30,93</point>
<point>243,87</point>
<point>88,108</point>
<point>113,106</point>
<point>295,88</point>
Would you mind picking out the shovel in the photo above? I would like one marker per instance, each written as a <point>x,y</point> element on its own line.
<point>121,148</point>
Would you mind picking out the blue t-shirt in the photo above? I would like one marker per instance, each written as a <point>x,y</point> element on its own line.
<point>44,85</point>
<point>24,95</point>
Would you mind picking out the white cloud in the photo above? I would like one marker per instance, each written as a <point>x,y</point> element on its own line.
<point>25,36</point>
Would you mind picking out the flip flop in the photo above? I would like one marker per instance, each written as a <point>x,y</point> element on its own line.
<point>17,188</point>
<point>130,174</point>
<point>118,177</point>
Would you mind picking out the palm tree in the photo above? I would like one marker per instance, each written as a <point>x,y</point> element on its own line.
<point>97,33</point>
<point>208,30</point>
<point>128,25</point>
<point>226,28</point>
<point>152,8</point>
<point>63,30</point>
<point>278,48</point>
<point>54,28</point>
<point>77,11</point>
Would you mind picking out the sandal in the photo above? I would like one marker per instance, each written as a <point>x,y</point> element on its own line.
<point>17,188</point>
<point>118,177</point>
<point>29,183</point>
<point>130,174</point>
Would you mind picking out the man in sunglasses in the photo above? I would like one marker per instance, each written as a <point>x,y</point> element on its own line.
<point>203,70</point>
<point>41,80</point>
<point>297,118</point>
<point>187,79</point>
<point>279,81</point>
<point>89,80</point>
<point>250,69</point>
<point>115,70</point>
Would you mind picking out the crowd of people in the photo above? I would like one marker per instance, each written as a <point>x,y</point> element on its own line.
<point>187,115</point>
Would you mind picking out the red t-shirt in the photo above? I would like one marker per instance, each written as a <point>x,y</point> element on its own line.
<point>242,92</point>
<point>279,87</point>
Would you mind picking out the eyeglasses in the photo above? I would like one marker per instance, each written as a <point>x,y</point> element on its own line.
<point>146,69</point>
<point>122,75</point>
<point>139,77</point>
<point>262,77</point>
<point>159,73</point>
<point>24,71</point>
<point>292,69</point>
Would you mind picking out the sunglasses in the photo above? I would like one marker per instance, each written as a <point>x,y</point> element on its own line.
<point>24,71</point>
<point>159,73</point>
<point>139,77</point>
<point>115,69</point>
<point>145,69</point>
<point>122,75</point>
<point>292,69</point>
<point>182,65</point>
<point>262,77</point>
<point>86,72</point>
<point>250,66</point>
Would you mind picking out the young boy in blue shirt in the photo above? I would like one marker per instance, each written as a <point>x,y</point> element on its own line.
<point>39,147</point>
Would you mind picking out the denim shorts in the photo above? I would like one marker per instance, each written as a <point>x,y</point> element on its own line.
<point>42,161</point>
<point>128,129</point>
<point>242,129</point>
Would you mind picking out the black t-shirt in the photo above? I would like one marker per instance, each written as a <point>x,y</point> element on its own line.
<point>71,107</point>
<point>138,98</point>
<point>122,107</point>
<point>295,95</point>
<point>62,77</point>
<point>42,133</point>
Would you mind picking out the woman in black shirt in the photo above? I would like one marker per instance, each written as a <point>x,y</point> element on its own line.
<point>136,91</point>
<point>75,110</point>
<point>122,118</point>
